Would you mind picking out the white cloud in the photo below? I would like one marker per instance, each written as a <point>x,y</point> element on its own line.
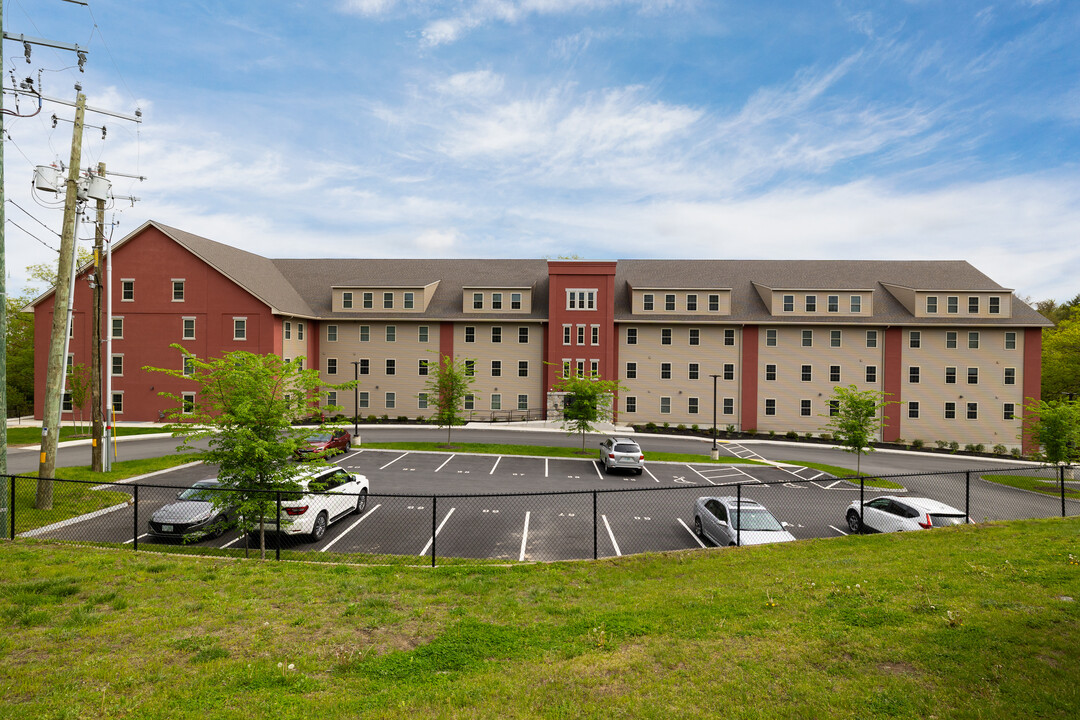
<point>438,240</point>
<point>478,83</point>
<point>367,7</point>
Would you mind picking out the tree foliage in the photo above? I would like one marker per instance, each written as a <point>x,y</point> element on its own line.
<point>78,384</point>
<point>858,421</point>
<point>1055,312</point>
<point>20,357</point>
<point>1055,426</point>
<point>448,382</point>
<point>1061,358</point>
<point>244,407</point>
<point>588,401</point>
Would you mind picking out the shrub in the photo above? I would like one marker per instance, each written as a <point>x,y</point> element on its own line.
<point>772,434</point>
<point>372,419</point>
<point>694,427</point>
<point>650,427</point>
<point>384,418</point>
<point>791,435</point>
<point>808,435</point>
<point>1016,453</point>
<point>969,447</point>
<point>826,436</point>
<point>917,444</point>
<point>667,425</point>
<point>680,426</point>
<point>954,446</point>
<point>980,448</point>
<point>729,429</point>
<point>1000,449</point>
<point>402,419</point>
<point>901,441</point>
<point>941,444</point>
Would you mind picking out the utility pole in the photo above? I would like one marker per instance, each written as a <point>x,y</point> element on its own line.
<point>55,373</point>
<point>97,368</point>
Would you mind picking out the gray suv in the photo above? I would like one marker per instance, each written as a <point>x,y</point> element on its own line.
<point>620,452</point>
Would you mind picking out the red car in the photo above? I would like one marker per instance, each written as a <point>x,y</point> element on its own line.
<point>325,445</point>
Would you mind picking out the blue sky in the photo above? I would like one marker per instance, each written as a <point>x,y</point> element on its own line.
<point>866,129</point>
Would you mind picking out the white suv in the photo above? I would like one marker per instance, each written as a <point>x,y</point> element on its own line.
<point>328,495</point>
<point>620,452</point>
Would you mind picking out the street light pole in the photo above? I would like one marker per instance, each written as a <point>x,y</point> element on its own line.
<point>356,397</point>
<point>715,448</point>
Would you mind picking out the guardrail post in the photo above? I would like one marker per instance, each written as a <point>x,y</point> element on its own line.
<point>1061,477</point>
<point>278,539</point>
<point>738,515</point>
<point>434,501</point>
<point>594,548</point>
<point>135,521</point>
<point>967,497</point>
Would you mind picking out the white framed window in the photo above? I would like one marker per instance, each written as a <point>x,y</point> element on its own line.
<point>770,373</point>
<point>770,338</point>
<point>630,403</point>
<point>691,302</point>
<point>973,411</point>
<point>496,368</point>
<point>1010,376</point>
<point>631,371</point>
<point>421,401</point>
<point>871,338</point>
<point>581,299</point>
<point>931,305</point>
<point>952,306</point>
<point>523,335</point>
<point>834,303</point>
<point>189,365</point>
<point>693,371</point>
<point>496,401</point>
<point>834,373</point>
<point>836,338</point>
<point>973,376</point>
<point>368,300</point>
<point>422,368</point>
<point>118,364</point>
<point>805,408</point>
<point>811,303</point>
<point>808,338</point>
<point>409,300</point>
<point>665,371</point>
<point>470,368</point>
<point>364,399</point>
<point>729,338</point>
<point>914,374</point>
<point>178,290</point>
<point>239,328</point>
<point>789,303</point>
<point>914,339</point>
<point>913,409</point>
<point>391,400</point>
<point>391,366</point>
<point>299,331</point>
<point>422,334</point>
<point>973,340</point>
<point>118,402</point>
<point>631,336</point>
<point>515,301</point>
<point>580,334</point>
<point>692,405</point>
<point>594,333</point>
<point>496,334</point>
<point>807,373</point>
<point>567,334</point>
<point>669,302</point>
<point>391,333</point>
<point>365,366</point>
<point>729,371</point>
<point>331,366</point>
<point>118,327</point>
<point>388,301</point>
<point>187,406</point>
<point>346,300</point>
<point>871,373</point>
<point>470,334</point>
<point>523,402</point>
<point>1008,411</point>
<point>665,405</point>
<point>478,301</point>
<point>523,368</point>
<point>286,330</point>
<point>694,336</point>
<point>770,406</point>
<point>729,406</point>
<point>331,333</point>
<point>331,398</point>
<point>665,336</point>
<point>188,332</point>
<point>1010,340</point>
<point>127,290</point>
<point>594,368</point>
<point>950,376</point>
<point>66,404</point>
<point>496,301</point>
<point>855,304</point>
<point>994,303</point>
<point>714,303</point>
<point>973,304</point>
<point>647,301</point>
<point>365,333</point>
<point>950,339</point>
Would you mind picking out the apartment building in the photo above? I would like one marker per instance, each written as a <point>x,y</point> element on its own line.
<point>768,340</point>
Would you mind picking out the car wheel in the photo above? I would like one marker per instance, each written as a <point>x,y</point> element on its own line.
<point>697,525</point>
<point>361,502</point>
<point>853,522</point>
<point>639,471</point>
<point>319,528</point>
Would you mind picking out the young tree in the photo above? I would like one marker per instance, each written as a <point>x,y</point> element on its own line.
<point>244,406</point>
<point>78,380</point>
<point>20,356</point>
<point>1061,358</point>
<point>1055,426</point>
<point>448,383</point>
<point>588,401</point>
<point>858,420</point>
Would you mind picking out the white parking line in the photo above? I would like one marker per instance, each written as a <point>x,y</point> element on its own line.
<point>454,455</point>
<point>437,531</point>
<point>236,539</point>
<point>838,530</point>
<point>128,542</point>
<point>345,457</point>
<point>524,538</point>
<point>545,467</point>
<point>705,478</point>
<point>495,465</point>
<point>596,467</point>
<point>344,532</point>
<point>651,475</point>
<point>72,521</point>
<point>692,533</point>
<point>392,461</point>
<point>612,536</point>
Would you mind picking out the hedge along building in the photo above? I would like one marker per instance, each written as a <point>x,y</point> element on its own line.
<point>960,353</point>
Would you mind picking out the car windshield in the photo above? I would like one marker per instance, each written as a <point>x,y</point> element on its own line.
<point>204,493</point>
<point>320,438</point>
<point>750,519</point>
<point>627,448</point>
<point>945,520</point>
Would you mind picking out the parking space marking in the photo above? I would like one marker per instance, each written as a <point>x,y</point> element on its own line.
<point>347,530</point>
<point>452,456</point>
<point>683,481</point>
<point>545,467</point>
<point>437,531</point>
<point>236,539</point>
<point>692,533</point>
<point>524,537</point>
<point>650,474</point>
<point>596,467</point>
<point>128,542</point>
<point>838,530</point>
<point>495,465</point>
<point>392,461</point>
<point>612,536</point>
<point>703,476</point>
<point>74,520</point>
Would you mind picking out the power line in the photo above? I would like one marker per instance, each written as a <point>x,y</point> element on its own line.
<point>12,222</point>
<point>32,217</point>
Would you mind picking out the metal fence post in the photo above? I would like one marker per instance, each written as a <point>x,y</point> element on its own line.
<point>862,492</point>
<point>434,501</point>
<point>135,521</point>
<point>594,548</point>
<point>277,540</point>
<point>1061,477</point>
<point>12,507</point>
<point>738,514</point>
<point>967,496</point>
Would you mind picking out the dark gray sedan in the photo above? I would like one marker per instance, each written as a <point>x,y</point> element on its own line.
<point>193,517</point>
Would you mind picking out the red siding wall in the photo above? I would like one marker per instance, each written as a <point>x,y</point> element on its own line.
<point>153,321</point>
<point>892,377</point>
<point>563,276</point>
<point>749,371</point>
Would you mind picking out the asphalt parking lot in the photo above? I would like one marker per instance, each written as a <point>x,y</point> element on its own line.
<point>543,509</point>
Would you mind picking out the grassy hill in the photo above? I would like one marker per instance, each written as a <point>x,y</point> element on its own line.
<point>978,621</point>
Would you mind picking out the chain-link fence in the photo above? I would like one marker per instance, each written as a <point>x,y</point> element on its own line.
<point>522,527</point>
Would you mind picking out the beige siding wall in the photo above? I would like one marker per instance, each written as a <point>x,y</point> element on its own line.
<point>990,393</point>
<point>702,297</point>
<point>789,389</point>
<point>488,296</point>
<point>292,346</point>
<point>649,387</point>
<point>510,352</point>
<point>406,350</point>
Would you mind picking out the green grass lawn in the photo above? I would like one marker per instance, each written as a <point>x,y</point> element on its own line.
<point>1044,485</point>
<point>32,435</point>
<point>74,499</point>
<point>842,472</point>
<point>589,453</point>
<point>975,621</point>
